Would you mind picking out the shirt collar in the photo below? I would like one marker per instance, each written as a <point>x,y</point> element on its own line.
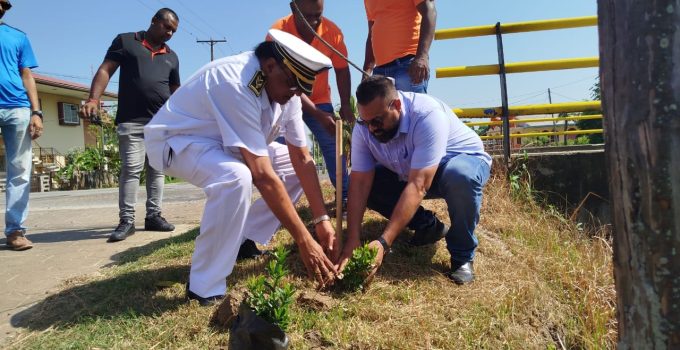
<point>404,118</point>
<point>141,36</point>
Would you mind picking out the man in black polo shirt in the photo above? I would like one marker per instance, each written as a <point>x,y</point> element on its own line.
<point>149,73</point>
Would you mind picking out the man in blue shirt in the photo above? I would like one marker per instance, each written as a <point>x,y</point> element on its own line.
<point>407,147</point>
<point>20,121</point>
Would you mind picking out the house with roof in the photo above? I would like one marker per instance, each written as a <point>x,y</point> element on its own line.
<point>64,130</point>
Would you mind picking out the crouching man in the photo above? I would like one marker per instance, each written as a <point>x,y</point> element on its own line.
<point>217,131</point>
<point>407,147</point>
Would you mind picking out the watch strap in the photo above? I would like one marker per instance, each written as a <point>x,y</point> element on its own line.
<point>38,113</point>
<point>386,247</point>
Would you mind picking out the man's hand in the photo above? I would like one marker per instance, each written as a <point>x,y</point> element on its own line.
<point>89,109</point>
<point>346,114</point>
<point>327,120</point>
<point>419,70</point>
<point>318,266</point>
<point>377,262</point>
<point>327,239</point>
<point>347,251</point>
<point>35,127</point>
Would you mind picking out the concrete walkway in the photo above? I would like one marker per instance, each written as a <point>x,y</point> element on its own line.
<point>69,231</point>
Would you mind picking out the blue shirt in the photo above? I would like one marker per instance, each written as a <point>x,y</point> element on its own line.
<point>15,54</point>
<point>429,134</point>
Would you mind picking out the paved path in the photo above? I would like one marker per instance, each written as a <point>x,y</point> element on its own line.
<point>69,231</point>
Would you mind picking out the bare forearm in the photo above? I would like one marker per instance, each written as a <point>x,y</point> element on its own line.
<point>369,58</point>
<point>31,91</point>
<point>99,83</point>
<point>305,169</point>
<point>406,207</point>
<point>274,194</point>
<point>359,189</point>
<point>344,82</point>
<point>427,27</point>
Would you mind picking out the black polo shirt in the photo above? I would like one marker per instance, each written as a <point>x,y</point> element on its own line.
<point>145,76</point>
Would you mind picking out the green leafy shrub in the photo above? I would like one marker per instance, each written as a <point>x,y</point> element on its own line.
<point>358,268</point>
<point>270,297</point>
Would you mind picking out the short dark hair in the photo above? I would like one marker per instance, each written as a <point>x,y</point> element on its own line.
<point>266,50</point>
<point>160,15</point>
<point>375,86</point>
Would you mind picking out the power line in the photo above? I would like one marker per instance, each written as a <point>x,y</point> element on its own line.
<point>77,77</point>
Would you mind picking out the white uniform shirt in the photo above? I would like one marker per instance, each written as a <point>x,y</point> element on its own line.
<point>217,105</point>
<point>429,134</point>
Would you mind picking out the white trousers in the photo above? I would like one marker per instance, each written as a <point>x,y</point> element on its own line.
<point>229,217</point>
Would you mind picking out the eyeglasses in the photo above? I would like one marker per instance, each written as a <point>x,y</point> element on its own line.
<point>375,122</point>
<point>292,83</point>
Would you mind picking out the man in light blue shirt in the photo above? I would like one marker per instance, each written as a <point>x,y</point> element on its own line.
<point>20,122</point>
<point>408,147</point>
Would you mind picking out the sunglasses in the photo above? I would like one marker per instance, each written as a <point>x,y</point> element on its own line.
<point>5,5</point>
<point>375,122</point>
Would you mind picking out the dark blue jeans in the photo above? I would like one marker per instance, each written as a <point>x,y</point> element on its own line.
<point>459,181</point>
<point>327,144</point>
<point>398,69</point>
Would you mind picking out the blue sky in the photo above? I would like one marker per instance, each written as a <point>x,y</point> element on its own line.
<point>70,39</point>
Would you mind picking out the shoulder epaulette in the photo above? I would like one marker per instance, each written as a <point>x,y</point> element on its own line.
<point>256,84</point>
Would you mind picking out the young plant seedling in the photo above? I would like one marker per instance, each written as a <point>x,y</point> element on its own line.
<point>359,267</point>
<point>270,297</point>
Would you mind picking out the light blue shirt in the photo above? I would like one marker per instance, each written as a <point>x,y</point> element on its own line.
<point>15,54</point>
<point>429,134</point>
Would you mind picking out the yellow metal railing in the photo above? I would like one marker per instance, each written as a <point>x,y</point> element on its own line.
<point>549,133</point>
<point>567,107</point>
<point>519,27</point>
<point>503,68</point>
<point>518,67</point>
<point>534,120</point>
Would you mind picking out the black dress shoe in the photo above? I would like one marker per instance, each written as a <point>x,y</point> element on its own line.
<point>461,272</point>
<point>429,235</point>
<point>248,250</point>
<point>209,301</point>
<point>157,223</point>
<point>124,230</point>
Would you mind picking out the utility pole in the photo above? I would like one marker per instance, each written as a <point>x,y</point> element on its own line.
<point>638,62</point>
<point>212,43</point>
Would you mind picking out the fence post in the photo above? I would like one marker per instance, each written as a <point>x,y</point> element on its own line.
<point>504,95</point>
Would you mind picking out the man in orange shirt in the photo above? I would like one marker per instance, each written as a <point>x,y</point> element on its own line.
<point>400,33</point>
<point>317,108</point>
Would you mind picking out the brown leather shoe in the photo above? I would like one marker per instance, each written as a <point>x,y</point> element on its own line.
<point>17,241</point>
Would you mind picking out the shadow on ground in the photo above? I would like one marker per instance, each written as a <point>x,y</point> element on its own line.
<point>136,253</point>
<point>118,296</point>
<point>67,236</point>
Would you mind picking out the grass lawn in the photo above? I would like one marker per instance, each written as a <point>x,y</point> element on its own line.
<point>542,283</point>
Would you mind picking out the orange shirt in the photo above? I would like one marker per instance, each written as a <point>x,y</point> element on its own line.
<point>396,28</point>
<point>321,92</point>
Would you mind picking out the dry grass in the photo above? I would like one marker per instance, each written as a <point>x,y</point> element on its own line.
<point>541,283</point>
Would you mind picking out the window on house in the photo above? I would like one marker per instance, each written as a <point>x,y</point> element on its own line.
<point>68,114</point>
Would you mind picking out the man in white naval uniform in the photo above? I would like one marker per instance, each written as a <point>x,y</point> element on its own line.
<point>217,131</point>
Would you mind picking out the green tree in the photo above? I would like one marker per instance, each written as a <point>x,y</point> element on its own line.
<point>593,123</point>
